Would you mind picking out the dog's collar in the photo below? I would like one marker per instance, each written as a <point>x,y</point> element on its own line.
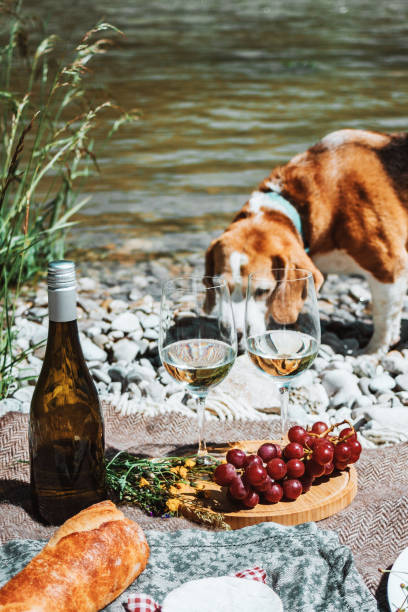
<point>279,203</point>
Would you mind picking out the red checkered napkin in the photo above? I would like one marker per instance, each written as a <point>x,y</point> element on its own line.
<point>141,602</point>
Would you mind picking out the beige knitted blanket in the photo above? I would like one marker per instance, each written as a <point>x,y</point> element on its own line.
<point>374,526</point>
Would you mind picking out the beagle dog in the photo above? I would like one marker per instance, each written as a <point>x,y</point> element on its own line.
<point>339,207</point>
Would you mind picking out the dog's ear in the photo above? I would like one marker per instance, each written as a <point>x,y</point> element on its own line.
<point>209,274</point>
<point>210,260</point>
<point>279,265</point>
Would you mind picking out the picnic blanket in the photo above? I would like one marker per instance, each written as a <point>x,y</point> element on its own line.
<point>374,526</point>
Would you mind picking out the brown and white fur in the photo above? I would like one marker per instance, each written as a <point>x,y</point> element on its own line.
<point>351,192</point>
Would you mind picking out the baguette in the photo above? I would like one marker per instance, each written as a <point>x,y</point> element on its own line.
<point>88,562</point>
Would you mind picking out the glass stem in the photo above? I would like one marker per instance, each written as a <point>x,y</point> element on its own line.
<point>202,448</point>
<point>284,404</point>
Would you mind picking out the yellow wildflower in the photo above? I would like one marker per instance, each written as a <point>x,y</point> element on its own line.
<point>175,470</point>
<point>143,482</point>
<point>199,486</point>
<point>173,504</point>
<point>173,490</point>
<point>183,472</point>
<point>189,463</point>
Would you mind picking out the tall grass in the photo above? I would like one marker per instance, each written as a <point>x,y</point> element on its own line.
<point>47,122</point>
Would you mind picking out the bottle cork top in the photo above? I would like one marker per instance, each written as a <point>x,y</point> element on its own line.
<point>61,274</point>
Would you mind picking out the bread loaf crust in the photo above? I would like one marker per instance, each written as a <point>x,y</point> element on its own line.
<point>89,561</point>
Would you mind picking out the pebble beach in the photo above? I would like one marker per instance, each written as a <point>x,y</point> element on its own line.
<point>118,317</point>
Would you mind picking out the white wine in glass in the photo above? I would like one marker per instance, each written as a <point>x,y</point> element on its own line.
<point>197,341</point>
<point>282,327</point>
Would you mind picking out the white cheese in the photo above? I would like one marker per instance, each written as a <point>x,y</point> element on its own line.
<point>224,594</point>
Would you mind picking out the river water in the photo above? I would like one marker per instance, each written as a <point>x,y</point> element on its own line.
<point>227,89</point>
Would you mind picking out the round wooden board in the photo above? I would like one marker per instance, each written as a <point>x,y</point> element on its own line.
<point>326,497</point>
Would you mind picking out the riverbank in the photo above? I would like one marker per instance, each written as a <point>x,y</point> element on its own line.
<point>118,315</point>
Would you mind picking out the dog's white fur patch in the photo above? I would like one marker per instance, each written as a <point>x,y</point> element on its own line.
<point>387,298</point>
<point>341,137</point>
<point>274,186</point>
<point>237,260</point>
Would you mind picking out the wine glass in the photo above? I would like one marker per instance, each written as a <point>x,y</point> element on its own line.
<point>197,340</point>
<point>282,327</point>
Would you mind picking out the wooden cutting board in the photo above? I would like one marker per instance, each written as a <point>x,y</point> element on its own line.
<point>327,496</point>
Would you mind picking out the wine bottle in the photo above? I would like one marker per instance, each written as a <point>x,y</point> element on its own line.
<point>66,434</point>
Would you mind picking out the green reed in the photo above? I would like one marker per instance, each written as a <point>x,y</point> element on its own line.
<point>48,118</point>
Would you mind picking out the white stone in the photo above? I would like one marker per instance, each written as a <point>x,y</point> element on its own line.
<point>115,335</point>
<point>382,383</point>
<point>388,425</point>
<point>402,382</point>
<point>341,387</point>
<point>125,350</point>
<point>118,306</point>
<point>85,283</point>
<point>304,380</point>
<point>126,322</point>
<point>24,394</point>
<point>250,387</point>
<point>394,363</point>
<point>365,365</point>
<point>10,405</point>
<point>151,334</point>
<point>149,321</point>
<point>101,376</point>
<point>91,351</point>
<point>359,293</point>
<point>137,373</point>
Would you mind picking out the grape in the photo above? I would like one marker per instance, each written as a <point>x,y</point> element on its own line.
<point>294,451</point>
<point>276,468</point>
<point>238,490</point>
<point>251,500</point>
<point>306,482</point>
<point>295,468</point>
<point>340,466</point>
<point>278,450</point>
<point>314,469</point>
<point>249,459</point>
<point>355,450</point>
<point>236,456</point>
<point>273,494</point>
<point>267,451</point>
<point>225,474</point>
<point>292,488</point>
<point>319,427</point>
<point>322,454</point>
<point>342,452</point>
<point>256,474</point>
<point>346,432</point>
<point>297,434</point>
<point>328,468</point>
<point>261,488</point>
<point>308,440</point>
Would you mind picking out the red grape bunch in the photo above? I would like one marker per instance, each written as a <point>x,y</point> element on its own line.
<point>275,473</point>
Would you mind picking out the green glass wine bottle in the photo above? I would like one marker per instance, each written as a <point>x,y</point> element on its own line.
<point>66,433</point>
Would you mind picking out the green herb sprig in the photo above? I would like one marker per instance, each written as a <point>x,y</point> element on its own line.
<point>156,486</point>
